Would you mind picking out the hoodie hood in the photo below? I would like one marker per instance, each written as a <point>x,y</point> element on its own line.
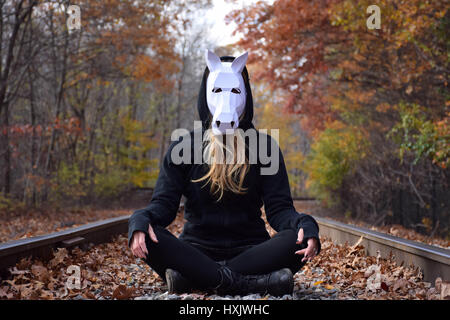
<point>202,105</point>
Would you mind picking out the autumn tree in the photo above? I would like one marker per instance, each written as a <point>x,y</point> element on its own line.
<point>91,102</point>
<point>375,102</point>
<point>15,23</point>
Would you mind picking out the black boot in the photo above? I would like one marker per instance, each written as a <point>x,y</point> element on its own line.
<point>176,283</point>
<point>277,283</point>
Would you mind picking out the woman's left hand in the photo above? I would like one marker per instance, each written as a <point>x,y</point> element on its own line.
<point>311,250</point>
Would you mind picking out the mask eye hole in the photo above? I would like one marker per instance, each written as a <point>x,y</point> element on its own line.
<point>217,90</point>
<point>236,90</point>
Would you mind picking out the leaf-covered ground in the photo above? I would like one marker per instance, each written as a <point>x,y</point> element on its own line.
<point>109,271</point>
<point>18,225</point>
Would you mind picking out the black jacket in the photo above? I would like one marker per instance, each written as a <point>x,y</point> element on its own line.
<point>236,219</point>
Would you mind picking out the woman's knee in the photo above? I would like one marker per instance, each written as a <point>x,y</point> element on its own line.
<point>161,235</point>
<point>289,238</point>
<point>287,234</point>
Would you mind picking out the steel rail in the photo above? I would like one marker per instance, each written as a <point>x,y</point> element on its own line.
<point>433,261</point>
<point>42,246</point>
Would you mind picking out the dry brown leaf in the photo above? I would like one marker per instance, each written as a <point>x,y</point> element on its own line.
<point>89,295</point>
<point>59,255</point>
<point>371,270</point>
<point>122,292</point>
<point>374,282</point>
<point>445,291</point>
<point>5,294</point>
<point>40,272</point>
<point>357,275</point>
<point>47,295</point>
<point>431,293</point>
<point>400,284</point>
<point>15,271</point>
<point>437,284</point>
<point>27,291</point>
<point>24,263</point>
<point>353,248</point>
<point>421,294</point>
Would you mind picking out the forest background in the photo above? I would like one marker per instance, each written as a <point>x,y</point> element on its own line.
<point>86,114</point>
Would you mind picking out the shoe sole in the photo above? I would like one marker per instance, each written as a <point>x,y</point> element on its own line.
<point>176,284</point>
<point>170,281</point>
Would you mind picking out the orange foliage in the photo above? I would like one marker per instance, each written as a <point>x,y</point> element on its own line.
<point>288,39</point>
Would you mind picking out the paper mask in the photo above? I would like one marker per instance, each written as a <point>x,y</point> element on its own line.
<point>225,92</point>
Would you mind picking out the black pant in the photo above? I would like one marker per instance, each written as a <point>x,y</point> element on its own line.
<point>200,264</point>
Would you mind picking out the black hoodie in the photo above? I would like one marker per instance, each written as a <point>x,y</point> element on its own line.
<point>235,220</point>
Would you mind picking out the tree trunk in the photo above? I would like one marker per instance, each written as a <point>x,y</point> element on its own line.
<point>6,152</point>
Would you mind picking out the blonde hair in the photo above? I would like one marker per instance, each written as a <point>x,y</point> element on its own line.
<point>228,165</point>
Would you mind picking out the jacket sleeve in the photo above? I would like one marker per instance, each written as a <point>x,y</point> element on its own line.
<point>165,201</point>
<point>278,204</point>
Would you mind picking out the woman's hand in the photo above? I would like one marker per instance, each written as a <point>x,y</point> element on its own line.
<point>138,246</point>
<point>311,250</point>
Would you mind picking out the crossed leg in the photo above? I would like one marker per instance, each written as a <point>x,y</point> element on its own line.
<point>171,252</point>
<point>271,255</point>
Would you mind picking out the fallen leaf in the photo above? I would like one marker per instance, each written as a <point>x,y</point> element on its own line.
<point>371,269</point>
<point>47,295</point>
<point>445,291</point>
<point>353,248</point>
<point>89,295</point>
<point>431,293</point>
<point>59,257</point>
<point>5,294</point>
<point>40,272</point>
<point>421,294</point>
<point>24,263</point>
<point>400,284</point>
<point>122,292</point>
<point>374,282</point>
<point>16,271</point>
<point>27,291</point>
<point>437,284</point>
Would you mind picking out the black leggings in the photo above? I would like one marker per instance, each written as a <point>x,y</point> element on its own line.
<point>200,265</point>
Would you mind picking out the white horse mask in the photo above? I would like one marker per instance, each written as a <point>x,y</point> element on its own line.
<point>225,92</point>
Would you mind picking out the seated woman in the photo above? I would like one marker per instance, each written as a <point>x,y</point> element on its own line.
<point>224,246</point>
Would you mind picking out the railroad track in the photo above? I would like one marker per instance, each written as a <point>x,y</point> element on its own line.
<point>433,261</point>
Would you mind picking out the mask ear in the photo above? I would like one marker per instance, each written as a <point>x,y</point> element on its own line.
<point>212,61</point>
<point>239,63</point>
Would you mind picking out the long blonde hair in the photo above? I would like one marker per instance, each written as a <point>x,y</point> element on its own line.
<point>227,166</point>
